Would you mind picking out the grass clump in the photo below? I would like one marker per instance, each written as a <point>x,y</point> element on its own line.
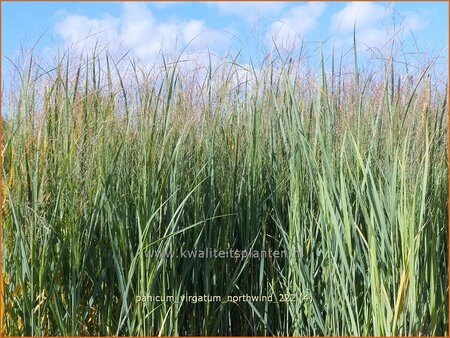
<point>104,161</point>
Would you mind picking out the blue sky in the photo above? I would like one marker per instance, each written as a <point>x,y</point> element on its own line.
<point>146,28</point>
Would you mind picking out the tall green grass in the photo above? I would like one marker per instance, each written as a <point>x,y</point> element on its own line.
<point>346,171</point>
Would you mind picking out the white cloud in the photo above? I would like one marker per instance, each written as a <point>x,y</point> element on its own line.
<point>192,29</point>
<point>415,21</point>
<point>300,20</point>
<point>163,4</point>
<point>75,28</point>
<point>250,10</point>
<point>373,24</point>
<point>361,14</point>
<point>199,35</point>
<point>137,30</point>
